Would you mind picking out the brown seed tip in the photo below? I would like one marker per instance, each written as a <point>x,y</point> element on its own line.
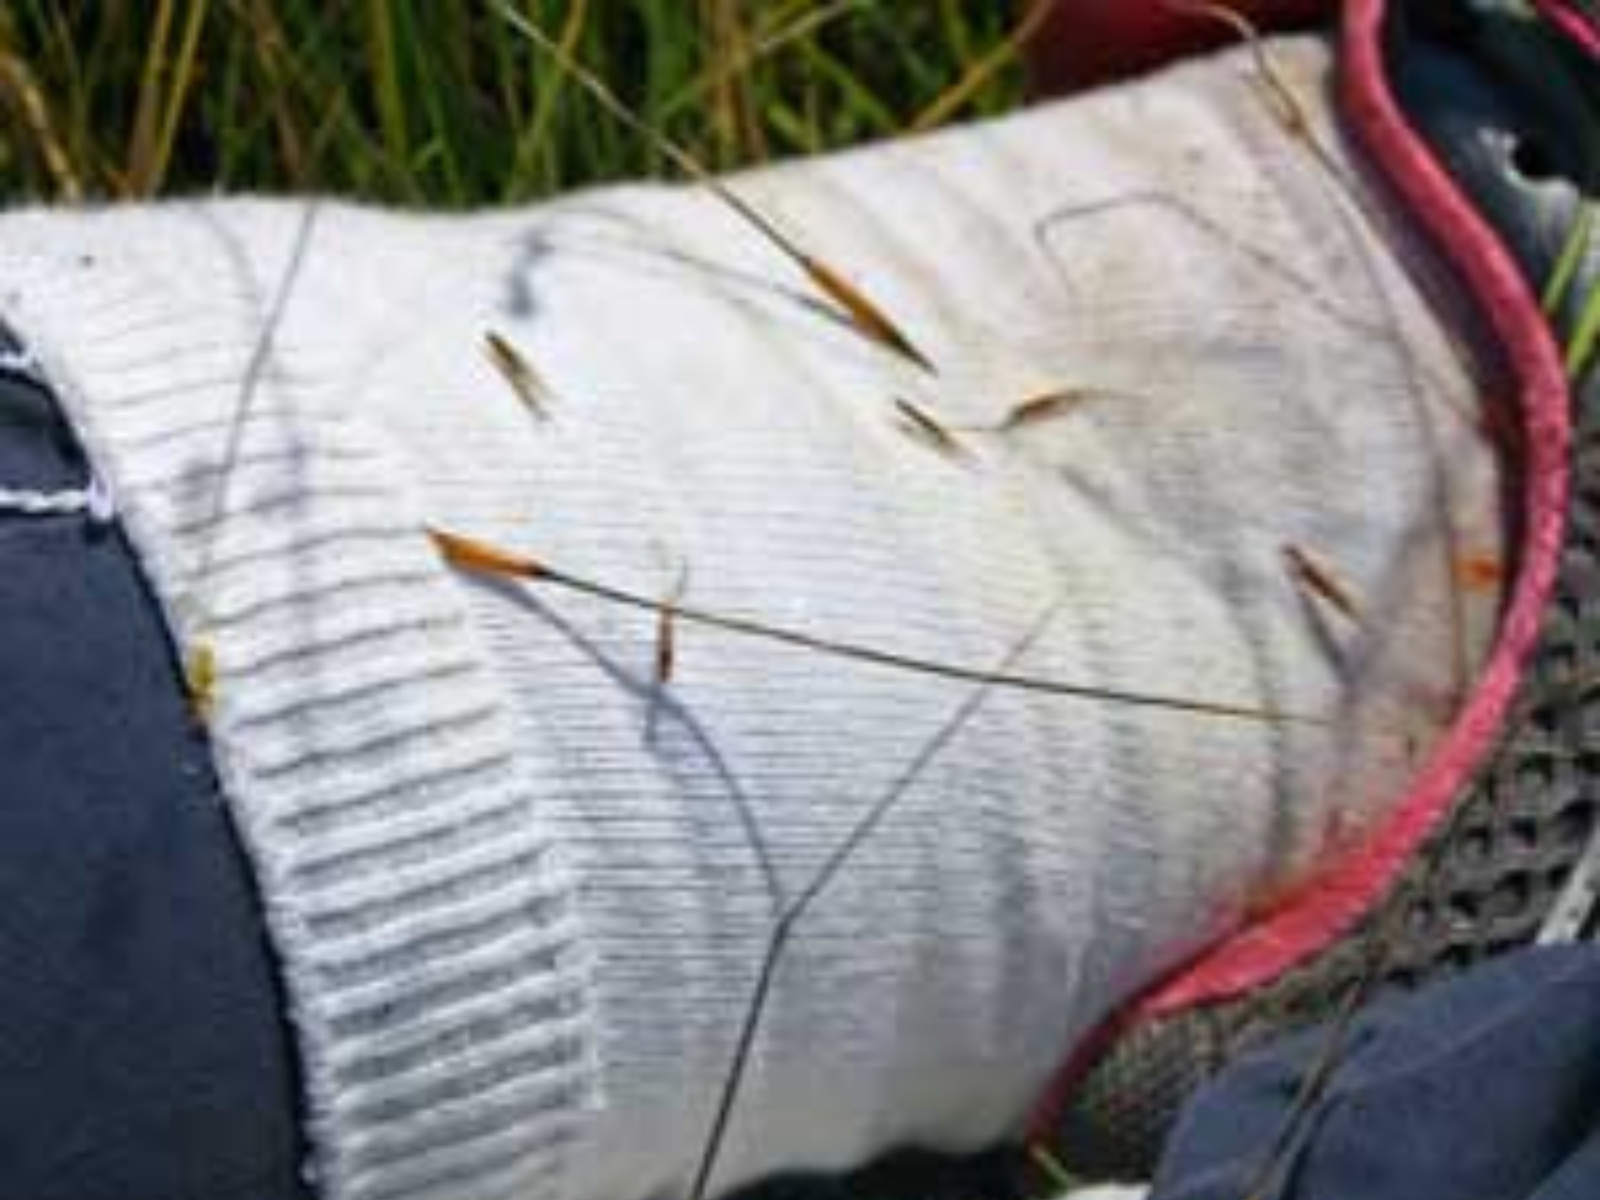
<point>920,425</point>
<point>865,315</point>
<point>519,374</point>
<point>1479,572</point>
<point>1046,406</point>
<point>667,630</point>
<point>481,558</point>
<point>1320,580</point>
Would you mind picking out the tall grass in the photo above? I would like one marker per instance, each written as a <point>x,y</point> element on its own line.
<point>437,103</point>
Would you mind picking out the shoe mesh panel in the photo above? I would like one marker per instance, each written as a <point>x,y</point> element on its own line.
<point>1483,885</point>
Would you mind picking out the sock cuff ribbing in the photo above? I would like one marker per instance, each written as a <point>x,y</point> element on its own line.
<point>425,932</point>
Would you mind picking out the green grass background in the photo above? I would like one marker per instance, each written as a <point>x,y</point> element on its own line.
<point>441,103</point>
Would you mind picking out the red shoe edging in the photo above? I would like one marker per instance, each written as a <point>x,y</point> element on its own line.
<point>1332,902</point>
<point>1579,26</point>
<point>1085,43</point>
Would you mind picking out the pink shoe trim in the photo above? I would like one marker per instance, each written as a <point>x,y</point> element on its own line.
<point>1349,887</point>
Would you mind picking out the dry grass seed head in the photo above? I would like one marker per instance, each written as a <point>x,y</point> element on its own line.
<point>925,429</point>
<point>200,681</point>
<point>526,382</point>
<point>1047,406</point>
<point>666,629</point>
<point>469,554</point>
<point>1321,581</point>
<point>866,316</point>
<point>1286,106</point>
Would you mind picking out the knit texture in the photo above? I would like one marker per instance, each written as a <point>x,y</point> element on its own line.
<point>426,936</point>
<point>522,888</point>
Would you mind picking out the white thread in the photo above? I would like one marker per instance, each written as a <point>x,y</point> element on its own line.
<point>100,501</point>
<point>19,361</point>
<point>1575,906</point>
<point>94,500</point>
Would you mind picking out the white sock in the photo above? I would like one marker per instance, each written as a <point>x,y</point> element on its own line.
<point>514,883</point>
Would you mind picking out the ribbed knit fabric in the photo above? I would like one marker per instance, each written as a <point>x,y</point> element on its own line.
<point>427,938</point>
<point>521,891</point>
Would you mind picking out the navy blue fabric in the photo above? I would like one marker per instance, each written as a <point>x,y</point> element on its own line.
<point>142,1051</point>
<point>1486,1087</point>
<point>1513,114</point>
